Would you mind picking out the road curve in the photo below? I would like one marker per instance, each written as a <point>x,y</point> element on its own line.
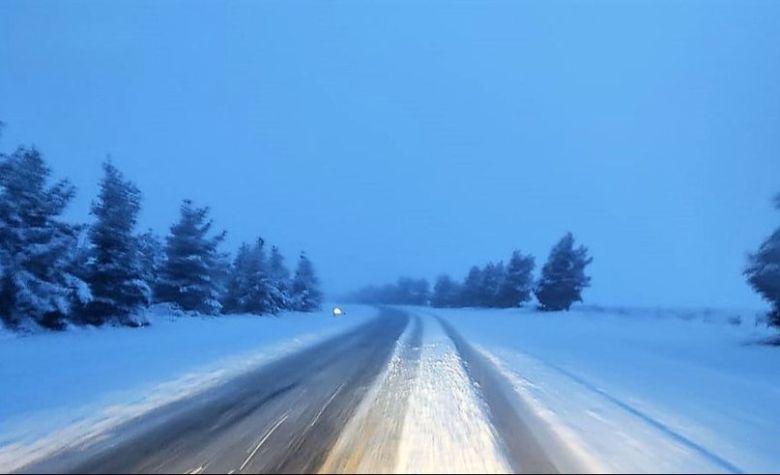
<point>281,418</point>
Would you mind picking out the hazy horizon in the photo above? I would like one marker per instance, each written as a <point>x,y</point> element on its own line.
<point>390,139</point>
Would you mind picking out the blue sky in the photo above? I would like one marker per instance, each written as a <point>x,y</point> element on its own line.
<point>390,138</point>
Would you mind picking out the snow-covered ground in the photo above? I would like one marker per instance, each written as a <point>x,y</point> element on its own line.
<point>619,390</point>
<point>57,388</point>
<point>641,391</point>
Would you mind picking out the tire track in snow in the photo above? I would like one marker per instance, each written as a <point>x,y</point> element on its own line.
<point>446,427</point>
<point>527,449</point>
<point>369,441</point>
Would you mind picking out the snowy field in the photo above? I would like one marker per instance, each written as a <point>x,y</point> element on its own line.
<point>69,386</point>
<point>642,391</point>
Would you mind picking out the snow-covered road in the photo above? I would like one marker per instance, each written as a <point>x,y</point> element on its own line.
<point>408,390</point>
<point>390,395</point>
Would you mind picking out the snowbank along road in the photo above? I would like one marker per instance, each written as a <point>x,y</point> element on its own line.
<point>403,392</point>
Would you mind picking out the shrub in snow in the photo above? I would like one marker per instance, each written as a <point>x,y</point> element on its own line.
<point>191,274</point>
<point>37,250</point>
<point>115,274</point>
<point>306,294</point>
<point>563,276</point>
<point>763,271</point>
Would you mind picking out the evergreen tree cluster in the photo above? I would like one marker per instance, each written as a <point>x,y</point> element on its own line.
<point>763,271</point>
<point>53,273</point>
<point>494,285</point>
<point>497,284</point>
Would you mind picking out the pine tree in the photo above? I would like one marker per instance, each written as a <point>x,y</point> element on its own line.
<point>446,292</point>
<point>151,253</point>
<point>116,277</point>
<point>492,276</point>
<point>37,250</point>
<point>763,271</point>
<point>471,295</point>
<point>249,287</point>
<point>190,276</point>
<point>279,281</point>
<point>517,284</point>
<point>305,287</point>
<point>237,284</point>
<point>258,294</point>
<point>563,276</point>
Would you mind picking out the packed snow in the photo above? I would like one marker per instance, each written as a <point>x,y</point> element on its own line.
<point>639,391</point>
<point>422,415</point>
<point>67,387</point>
<point>446,427</point>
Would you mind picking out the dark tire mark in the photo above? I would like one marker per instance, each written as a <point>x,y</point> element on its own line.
<point>525,452</point>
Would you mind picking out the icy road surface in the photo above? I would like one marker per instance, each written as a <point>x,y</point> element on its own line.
<point>405,391</point>
<point>390,395</point>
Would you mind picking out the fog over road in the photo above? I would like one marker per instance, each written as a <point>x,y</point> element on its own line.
<point>361,401</point>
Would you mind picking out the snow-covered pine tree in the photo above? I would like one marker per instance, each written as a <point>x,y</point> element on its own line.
<point>151,253</point>
<point>563,276</point>
<point>306,287</point>
<point>763,271</point>
<point>446,292</point>
<point>517,284</point>
<point>248,288</point>
<point>258,296</point>
<point>279,281</point>
<point>37,250</point>
<point>116,277</point>
<point>236,290</point>
<point>190,277</point>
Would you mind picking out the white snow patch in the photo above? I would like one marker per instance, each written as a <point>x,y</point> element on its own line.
<point>636,391</point>
<point>446,429</point>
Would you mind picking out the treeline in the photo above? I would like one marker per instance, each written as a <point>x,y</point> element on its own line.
<point>53,273</point>
<point>497,285</point>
